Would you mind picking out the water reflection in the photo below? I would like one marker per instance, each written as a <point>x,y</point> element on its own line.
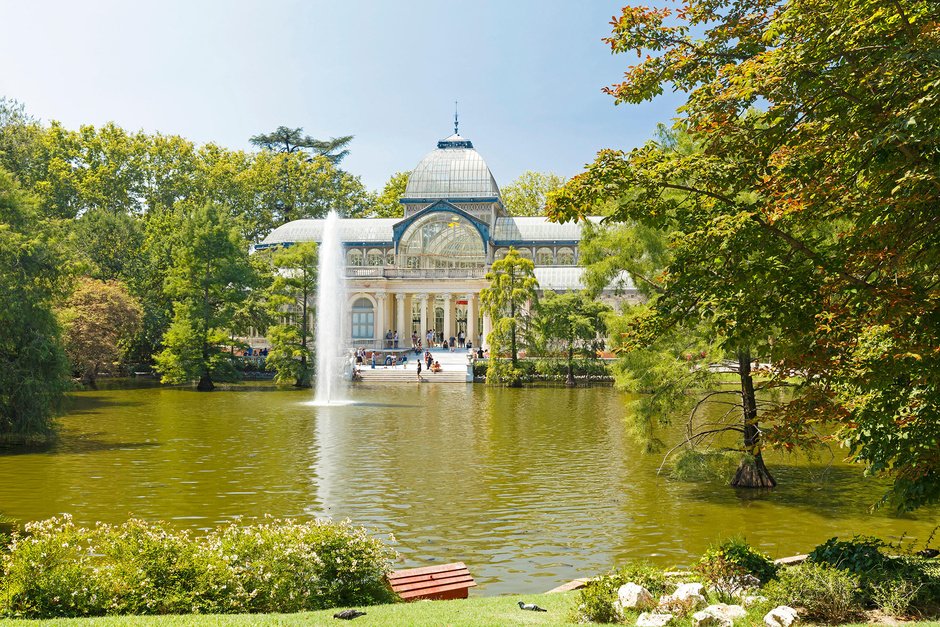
<point>529,487</point>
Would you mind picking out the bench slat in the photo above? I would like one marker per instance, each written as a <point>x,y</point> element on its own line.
<point>431,577</point>
<point>427,570</point>
<point>466,580</point>
<point>433,591</point>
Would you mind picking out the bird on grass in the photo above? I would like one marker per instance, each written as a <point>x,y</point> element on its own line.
<point>532,607</point>
<point>348,614</point>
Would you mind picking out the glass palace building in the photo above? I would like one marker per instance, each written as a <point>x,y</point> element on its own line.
<point>425,271</point>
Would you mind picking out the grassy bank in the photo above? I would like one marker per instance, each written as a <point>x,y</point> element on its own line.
<point>470,613</point>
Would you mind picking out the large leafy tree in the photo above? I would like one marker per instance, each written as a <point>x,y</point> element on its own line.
<point>509,301</point>
<point>210,276</point>
<point>574,320</point>
<point>809,213</point>
<point>385,204</point>
<point>33,276</point>
<point>290,296</point>
<point>526,196</point>
<point>98,318</point>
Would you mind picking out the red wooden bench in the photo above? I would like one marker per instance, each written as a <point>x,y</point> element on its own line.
<point>448,581</point>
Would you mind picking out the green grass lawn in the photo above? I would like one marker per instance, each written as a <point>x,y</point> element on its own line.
<point>482,611</point>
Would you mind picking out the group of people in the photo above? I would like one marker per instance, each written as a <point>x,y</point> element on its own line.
<point>428,363</point>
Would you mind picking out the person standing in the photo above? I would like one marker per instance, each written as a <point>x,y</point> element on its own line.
<point>419,370</point>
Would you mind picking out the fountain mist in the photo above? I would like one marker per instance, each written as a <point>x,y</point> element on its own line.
<point>331,305</point>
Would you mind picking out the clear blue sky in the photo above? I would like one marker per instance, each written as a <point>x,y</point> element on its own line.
<point>528,75</point>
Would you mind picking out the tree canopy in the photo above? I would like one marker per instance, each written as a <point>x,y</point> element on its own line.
<point>526,196</point>
<point>809,212</point>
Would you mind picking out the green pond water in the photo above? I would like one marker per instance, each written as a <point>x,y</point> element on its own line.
<point>530,487</point>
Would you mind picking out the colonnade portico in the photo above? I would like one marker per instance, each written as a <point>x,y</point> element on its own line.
<point>402,310</point>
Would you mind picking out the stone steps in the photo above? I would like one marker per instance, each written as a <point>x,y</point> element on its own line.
<point>390,375</point>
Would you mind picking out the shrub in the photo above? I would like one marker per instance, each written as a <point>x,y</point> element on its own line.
<point>58,569</point>
<point>733,566</point>
<point>825,593</point>
<point>289,566</point>
<point>894,596</point>
<point>861,555</point>
<point>595,602</point>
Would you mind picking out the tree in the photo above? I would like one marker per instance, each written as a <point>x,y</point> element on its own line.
<point>386,204</point>
<point>575,320</point>
<point>291,292</point>
<point>97,319</point>
<point>292,140</point>
<point>33,275</point>
<point>509,298</point>
<point>813,200</point>
<point>526,195</point>
<point>209,278</point>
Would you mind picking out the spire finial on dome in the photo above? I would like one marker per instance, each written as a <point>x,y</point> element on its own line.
<point>455,119</point>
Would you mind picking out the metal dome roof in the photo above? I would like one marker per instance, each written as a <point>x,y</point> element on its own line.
<point>453,171</point>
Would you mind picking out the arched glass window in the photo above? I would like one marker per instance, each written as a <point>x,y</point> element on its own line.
<point>375,257</point>
<point>526,253</point>
<point>442,240</point>
<point>565,257</point>
<point>390,258</point>
<point>354,257</point>
<point>363,319</point>
<point>544,257</point>
<point>500,253</point>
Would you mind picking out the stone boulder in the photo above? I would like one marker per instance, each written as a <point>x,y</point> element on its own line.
<point>718,614</point>
<point>687,596</point>
<point>649,619</point>
<point>781,616</point>
<point>634,596</point>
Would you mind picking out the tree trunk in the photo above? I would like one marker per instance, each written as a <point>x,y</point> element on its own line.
<point>90,377</point>
<point>303,378</point>
<point>570,380</point>
<point>752,473</point>
<point>205,383</point>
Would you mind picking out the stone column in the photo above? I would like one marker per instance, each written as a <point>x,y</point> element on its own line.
<point>448,316</point>
<point>380,320</point>
<point>400,318</point>
<point>423,306</point>
<point>472,319</point>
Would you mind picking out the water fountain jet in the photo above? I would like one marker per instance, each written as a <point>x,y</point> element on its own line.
<point>331,305</point>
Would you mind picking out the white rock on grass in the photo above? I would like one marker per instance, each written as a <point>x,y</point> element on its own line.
<point>688,595</point>
<point>753,600</point>
<point>631,595</point>
<point>780,616</point>
<point>718,614</point>
<point>649,619</point>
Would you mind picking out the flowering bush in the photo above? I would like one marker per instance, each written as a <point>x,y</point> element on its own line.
<point>59,569</point>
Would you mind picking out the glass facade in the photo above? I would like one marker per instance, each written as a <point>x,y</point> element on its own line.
<point>442,240</point>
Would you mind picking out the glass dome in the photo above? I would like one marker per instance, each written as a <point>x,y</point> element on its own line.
<point>442,240</point>
<point>454,170</point>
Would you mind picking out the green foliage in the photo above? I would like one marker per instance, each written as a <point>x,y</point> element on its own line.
<point>210,276</point>
<point>33,276</point>
<point>574,322</point>
<point>860,556</point>
<point>811,219</point>
<point>733,566</point>
<point>712,465</point>
<point>290,293</point>
<point>826,594</point>
<point>504,372</point>
<point>879,574</point>
<point>511,295</point>
<point>59,569</point>
<point>596,601</point>
<point>526,195</point>
<point>385,204</point>
<point>290,567</point>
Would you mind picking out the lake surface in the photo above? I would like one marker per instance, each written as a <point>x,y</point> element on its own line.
<point>530,487</point>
